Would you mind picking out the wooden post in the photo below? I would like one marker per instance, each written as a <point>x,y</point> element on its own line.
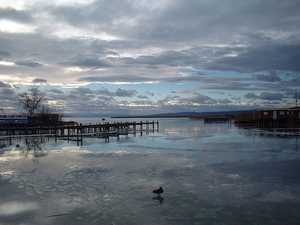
<point>81,133</point>
<point>134,128</point>
<point>77,134</point>
<point>55,135</point>
<point>118,133</point>
<point>147,126</point>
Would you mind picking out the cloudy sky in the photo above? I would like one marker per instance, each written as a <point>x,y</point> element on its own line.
<point>139,56</point>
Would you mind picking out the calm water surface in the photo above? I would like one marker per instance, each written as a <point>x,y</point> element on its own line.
<point>212,174</point>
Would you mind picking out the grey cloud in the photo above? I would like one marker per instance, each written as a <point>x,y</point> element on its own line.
<point>89,62</point>
<point>171,58</point>
<point>8,98</point>
<point>142,103</point>
<point>115,78</point>
<point>4,85</point>
<point>294,82</point>
<point>230,85</point>
<point>197,98</point>
<point>251,96</point>
<point>17,15</point>
<point>28,63</point>
<point>143,97</point>
<point>200,99</point>
<point>118,93</point>
<point>39,80</point>
<point>7,91</point>
<point>194,56</point>
<point>271,77</point>
<point>225,101</point>
<point>219,20</point>
<point>268,57</point>
<point>184,21</point>
<point>55,94</point>
<point>271,96</point>
<point>191,36</point>
<point>125,93</point>
<point>56,91</point>
<point>266,96</point>
<point>4,54</point>
<point>103,101</point>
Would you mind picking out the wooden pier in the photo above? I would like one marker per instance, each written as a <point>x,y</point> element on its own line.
<point>76,132</point>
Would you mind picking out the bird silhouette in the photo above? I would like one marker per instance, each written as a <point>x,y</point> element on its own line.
<point>158,191</point>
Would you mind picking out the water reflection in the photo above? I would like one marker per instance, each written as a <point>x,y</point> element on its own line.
<point>214,174</point>
<point>159,198</point>
<point>34,146</point>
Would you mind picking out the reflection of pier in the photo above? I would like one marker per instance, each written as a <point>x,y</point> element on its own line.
<point>79,131</point>
<point>214,118</point>
<point>270,118</point>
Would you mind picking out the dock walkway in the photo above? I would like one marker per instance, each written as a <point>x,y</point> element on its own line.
<point>79,131</point>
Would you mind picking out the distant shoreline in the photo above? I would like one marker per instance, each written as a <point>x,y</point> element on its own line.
<point>185,114</point>
<point>132,117</point>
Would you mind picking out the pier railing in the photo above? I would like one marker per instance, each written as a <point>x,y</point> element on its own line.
<point>77,132</point>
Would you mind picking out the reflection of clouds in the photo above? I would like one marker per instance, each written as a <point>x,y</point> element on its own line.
<point>15,208</point>
<point>234,176</point>
<point>11,155</point>
<point>21,153</point>
<point>7,173</point>
<point>121,152</point>
<point>72,148</point>
<point>279,196</point>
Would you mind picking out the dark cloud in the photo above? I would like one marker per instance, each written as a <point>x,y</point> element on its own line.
<point>4,85</point>
<point>4,54</point>
<point>17,15</point>
<point>28,63</point>
<point>194,56</point>
<point>214,20</point>
<point>266,96</point>
<point>118,93</point>
<point>125,93</point>
<point>39,80</point>
<point>196,99</point>
<point>251,96</point>
<point>138,42</point>
<point>267,57</point>
<point>179,20</point>
<point>56,91</point>
<point>88,62</point>
<point>8,96</point>
<point>115,78</point>
<point>143,97</point>
<point>199,99</point>
<point>270,77</point>
<point>294,82</point>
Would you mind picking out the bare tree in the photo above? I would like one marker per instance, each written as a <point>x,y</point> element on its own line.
<point>31,100</point>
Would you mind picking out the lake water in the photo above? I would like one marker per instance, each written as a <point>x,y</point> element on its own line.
<point>211,173</point>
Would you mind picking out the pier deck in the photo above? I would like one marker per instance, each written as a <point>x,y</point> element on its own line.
<point>79,131</point>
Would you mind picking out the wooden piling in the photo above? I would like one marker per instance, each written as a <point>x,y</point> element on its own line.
<point>77,132</point>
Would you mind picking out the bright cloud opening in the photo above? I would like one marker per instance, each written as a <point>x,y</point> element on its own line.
<point>7,63</point>
<point>65,31</point>
<point>8,26</point>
